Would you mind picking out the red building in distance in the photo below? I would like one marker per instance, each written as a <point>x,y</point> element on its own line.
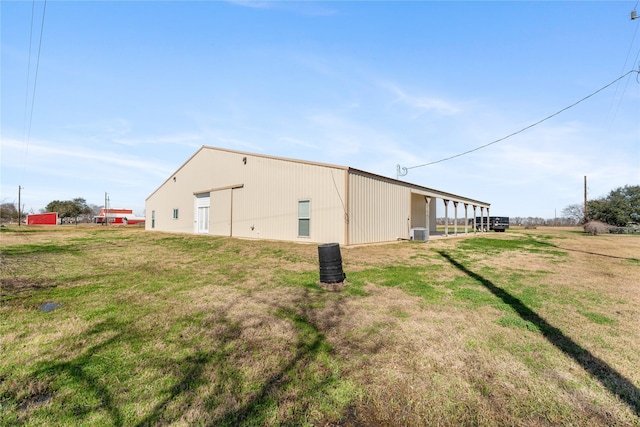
<point>118,216</point>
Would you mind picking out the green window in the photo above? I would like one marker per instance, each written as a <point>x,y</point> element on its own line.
<point>175,213</point>
<point>153,219</point>
<point>304,218</point>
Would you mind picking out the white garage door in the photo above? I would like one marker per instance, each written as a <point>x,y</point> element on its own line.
<point>201,207</point>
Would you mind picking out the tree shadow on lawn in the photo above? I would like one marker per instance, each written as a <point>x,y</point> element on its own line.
<point>223,396</point>
<point>207,377</point>
<point>310,345</point>
<point>77,372</point>
<point>612,380</point>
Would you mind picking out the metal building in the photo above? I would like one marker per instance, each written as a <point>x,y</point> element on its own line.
<point>231,193</point>
<point>47,218</point>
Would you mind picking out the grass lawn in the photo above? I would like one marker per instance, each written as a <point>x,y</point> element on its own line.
<point>116,326</point>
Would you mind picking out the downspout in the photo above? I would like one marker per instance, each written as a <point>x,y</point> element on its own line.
<point>231,216</point>
<point>346,207</point>
<point>409,216</point>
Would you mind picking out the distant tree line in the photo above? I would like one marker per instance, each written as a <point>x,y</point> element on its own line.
<point>519,220</point>
<point>72,210</point>
<point>619,208</point>
<point>76,210</point>
<point>9,212</point>
<point>537,221</point>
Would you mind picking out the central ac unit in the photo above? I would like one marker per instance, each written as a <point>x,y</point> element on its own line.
<point>420,233</point>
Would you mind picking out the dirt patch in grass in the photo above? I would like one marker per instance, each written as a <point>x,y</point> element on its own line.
<point>14,286</point>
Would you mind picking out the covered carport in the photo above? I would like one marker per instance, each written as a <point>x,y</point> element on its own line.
<point>423,211</point>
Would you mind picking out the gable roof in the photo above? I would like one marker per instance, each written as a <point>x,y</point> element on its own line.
<point>419,189</point>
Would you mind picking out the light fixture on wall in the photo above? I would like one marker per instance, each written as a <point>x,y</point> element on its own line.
<point>174,179</point>
<point>244,160</point>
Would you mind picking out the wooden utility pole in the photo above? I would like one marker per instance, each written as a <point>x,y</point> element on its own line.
<point>19,205</point>
<point>585,200</point>
<point>106,217</point>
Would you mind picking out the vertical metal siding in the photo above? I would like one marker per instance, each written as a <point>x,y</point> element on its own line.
<point>418,210</point>
<point>269,201</point>
<point>179,194</point>
<point>220,213</point>
<point>267,204</point>
<point>378,210</point>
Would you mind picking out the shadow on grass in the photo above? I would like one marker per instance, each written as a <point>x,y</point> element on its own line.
<point>612,380</point>
<point>215,373</point>
<point>224,395</point>
<point>77,371</point>
<point>310,344</point>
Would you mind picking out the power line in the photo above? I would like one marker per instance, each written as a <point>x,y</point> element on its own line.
<point>615,113</point>
<point>35,83</point>
<point>26,92</point>
<point>403,171</point>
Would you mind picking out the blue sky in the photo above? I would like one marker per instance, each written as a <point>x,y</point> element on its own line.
<point>126,92</point>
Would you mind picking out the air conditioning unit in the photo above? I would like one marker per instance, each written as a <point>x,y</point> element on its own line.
<point>420,233</point>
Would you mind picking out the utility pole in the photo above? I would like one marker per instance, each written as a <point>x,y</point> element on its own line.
<point>585,200</point>
<point>106,217</point>
<point>19,204</point>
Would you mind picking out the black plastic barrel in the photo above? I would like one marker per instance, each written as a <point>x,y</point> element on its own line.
<point>330,263</point>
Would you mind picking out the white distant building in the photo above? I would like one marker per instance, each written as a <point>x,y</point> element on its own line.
<point>231,193</point>
<point>117,216</point>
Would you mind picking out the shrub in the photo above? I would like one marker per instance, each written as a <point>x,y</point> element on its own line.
<point>596,227</point>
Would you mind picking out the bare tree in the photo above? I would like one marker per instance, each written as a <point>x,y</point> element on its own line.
<point>574,212</point>
<point>596,227</point>
<point>8,212</point>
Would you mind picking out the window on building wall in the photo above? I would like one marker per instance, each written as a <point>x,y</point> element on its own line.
<point>153,219</point>
<point>304,218</point>
<point>175,213</point>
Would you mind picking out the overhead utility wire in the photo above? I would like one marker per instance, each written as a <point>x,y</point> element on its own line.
<point>615,93</point>
<point>26,92</point>
<point>35,82</point>
<point>402,171</point>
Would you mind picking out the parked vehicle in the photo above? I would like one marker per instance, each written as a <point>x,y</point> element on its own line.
<point>496,223</point>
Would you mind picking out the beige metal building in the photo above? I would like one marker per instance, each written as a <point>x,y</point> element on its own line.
<point>230,193</point>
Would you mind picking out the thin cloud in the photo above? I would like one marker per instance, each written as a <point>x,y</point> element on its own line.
<point>421,104</point>
<point>181,139</point>
<point>308,8</point>
<point>104,128</point>
<point>52,154</point>
<point>295,141</point>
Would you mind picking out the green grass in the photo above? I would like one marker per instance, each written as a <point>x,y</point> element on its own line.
<point>514,321</point>
<point>598,318</point>
<point>413,280</point>
<point>156,329</point>
<point>539,244</point>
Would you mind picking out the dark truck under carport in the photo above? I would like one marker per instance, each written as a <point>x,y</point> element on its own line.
<point>496,223</point>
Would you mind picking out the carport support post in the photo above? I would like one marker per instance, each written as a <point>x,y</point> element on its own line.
<point>455,218</point>
<point>428,200</point>
<point>446,217</point>
<point>475,226</point>
<point>488,219</point>
<point>481,218</point>
<point>466,219</point>
<point>19,207</point>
